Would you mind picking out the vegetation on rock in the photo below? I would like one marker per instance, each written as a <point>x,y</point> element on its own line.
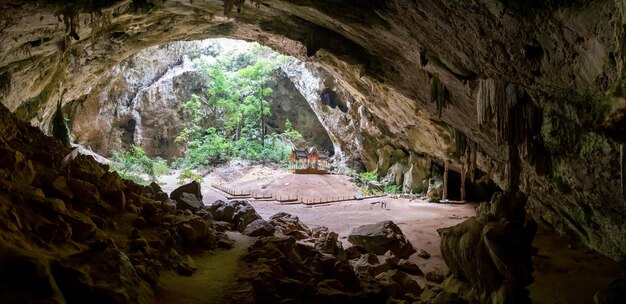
<point>135,165</point>
<point>236,109</point>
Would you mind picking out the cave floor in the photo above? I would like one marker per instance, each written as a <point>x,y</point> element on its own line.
<point>211,283</point>
<point>564,272</point>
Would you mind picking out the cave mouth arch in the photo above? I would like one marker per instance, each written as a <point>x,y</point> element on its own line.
<point>145,95</point>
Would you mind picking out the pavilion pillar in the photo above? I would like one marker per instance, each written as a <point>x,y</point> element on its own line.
<point>463,174</point>
<point>622,164</point>
<point>445,180</point>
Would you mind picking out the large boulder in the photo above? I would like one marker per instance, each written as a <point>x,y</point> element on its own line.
<point>259,227</point>
<point>244,215</point>
<point>193,188</point>
<point>380,237</point>
<point>222,211</point>
<point>188,201</point>
<point>290,225</point>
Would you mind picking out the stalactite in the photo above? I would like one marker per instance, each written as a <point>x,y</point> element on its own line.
<point>472,160</point>
<point>460,143</point>
<point>5,83</point>
<point>439,94</point>
<point>488,97</point>
<point>517,120</point>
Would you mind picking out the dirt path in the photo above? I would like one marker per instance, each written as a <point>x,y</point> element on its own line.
<point>211,283</point>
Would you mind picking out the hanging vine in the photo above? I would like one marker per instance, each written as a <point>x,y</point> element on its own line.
<point>439,94</point>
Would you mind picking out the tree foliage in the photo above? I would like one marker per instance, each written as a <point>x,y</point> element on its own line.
<point>235,107</point>
<point>135,165</point>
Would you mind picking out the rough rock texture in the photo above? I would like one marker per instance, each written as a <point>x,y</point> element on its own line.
<point>491,252</point>
<point>559,56</point>
<point>80,233</point>
<point>139,102</point>
<point>259,227</point>
<point>279,270</point>
<point>287,102</point>
<point>240,214</point>
<point>290,225</point>
<point>380,237</point>
<point>192,188</point>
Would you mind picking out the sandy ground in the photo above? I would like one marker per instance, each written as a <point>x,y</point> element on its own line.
<point>210,284</point>
<point>562,275</point>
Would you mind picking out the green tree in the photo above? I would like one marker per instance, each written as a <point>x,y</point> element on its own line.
<point>235,106</point>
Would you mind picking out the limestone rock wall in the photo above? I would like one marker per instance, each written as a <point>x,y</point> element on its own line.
<point>139,103</point>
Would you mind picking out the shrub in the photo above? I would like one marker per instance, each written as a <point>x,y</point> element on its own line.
<point>134,164</point>
<point>188,176</point>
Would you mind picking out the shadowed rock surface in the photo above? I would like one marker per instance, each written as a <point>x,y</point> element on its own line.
<point>382,237</point>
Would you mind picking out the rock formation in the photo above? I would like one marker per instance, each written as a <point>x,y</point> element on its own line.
<point>380,237</point>
<point>81,233</point>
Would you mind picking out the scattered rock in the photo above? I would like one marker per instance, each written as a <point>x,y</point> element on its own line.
<point>107,275</point>
<point>290,225</point>
<point>188,201</point>
<point>409,267</point>
<point>435,277</point>
<point>244,216</point>
<point>354,252</point>
<point>391,259</point>
<point>423,254</point>
<point>222,226</point>
<point>380,237</point>
<point>186,267</point>
<point>327,243</point>
<point>191,188</point>
<point>222,211</point>
<point>259,227</point>
<point>397,283</point>
<point>368,264</point>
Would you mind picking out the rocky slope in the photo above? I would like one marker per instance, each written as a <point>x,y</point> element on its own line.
<point>74,232</point>
<point>545,75</point>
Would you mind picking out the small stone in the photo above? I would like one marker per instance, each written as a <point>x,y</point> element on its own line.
<point>354,252</point>
<point>184,269</point>
<point>424,254</point>
<point>409,267</point>
<point>434,276</point>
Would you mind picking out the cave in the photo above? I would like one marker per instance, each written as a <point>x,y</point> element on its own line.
<point>506,120</point>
